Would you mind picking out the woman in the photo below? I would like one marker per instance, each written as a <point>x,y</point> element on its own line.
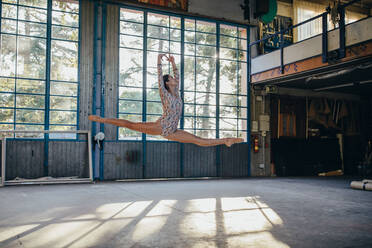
<point>166,126</point>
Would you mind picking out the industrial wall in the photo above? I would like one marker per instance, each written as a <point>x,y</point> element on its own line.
<point>122,159</point>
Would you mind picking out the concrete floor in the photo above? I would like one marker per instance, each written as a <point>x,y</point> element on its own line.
<point>268,212</point>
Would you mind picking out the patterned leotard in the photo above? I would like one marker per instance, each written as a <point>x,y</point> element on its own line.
<point>172,105</point>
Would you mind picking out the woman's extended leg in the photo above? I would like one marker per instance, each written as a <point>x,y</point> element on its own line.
<point>152,128</point>
<point>185,137</point>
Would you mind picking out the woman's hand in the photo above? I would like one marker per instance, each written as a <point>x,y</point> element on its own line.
<point>170,58</point>
<point>160,57</point>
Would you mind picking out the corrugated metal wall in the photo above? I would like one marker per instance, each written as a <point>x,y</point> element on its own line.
<point>112,68</point>
<point>235,161</point>
<point>162,160</point>
<point>68,158</point>
<point>123,160</point>
<point>86,64</point>
<point>199,161</point>
<point>24,159</point>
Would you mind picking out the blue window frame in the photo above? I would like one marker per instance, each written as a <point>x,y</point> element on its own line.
<point>214,60</point>
<point>39,66</point>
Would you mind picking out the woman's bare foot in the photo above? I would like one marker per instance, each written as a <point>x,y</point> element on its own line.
<point>230,141</point>
<point>94,118</point>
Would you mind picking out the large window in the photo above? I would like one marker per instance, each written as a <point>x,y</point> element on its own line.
<point>39,65</point>
<point>215,87</point>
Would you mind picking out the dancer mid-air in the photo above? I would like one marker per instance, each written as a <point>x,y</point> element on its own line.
<point>166,126</point>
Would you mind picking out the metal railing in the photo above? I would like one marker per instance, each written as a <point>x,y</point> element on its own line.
<point>323,16</point>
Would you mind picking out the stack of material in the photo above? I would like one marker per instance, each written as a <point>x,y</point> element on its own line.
<point>363,185</point>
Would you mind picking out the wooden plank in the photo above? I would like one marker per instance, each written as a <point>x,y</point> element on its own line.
<point>112,67</point>
<point>86,65</point>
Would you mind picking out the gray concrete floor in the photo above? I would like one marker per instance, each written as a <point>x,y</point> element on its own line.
<point>254,212</point>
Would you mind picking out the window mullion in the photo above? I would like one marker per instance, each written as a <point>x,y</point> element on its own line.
<point>47,69</point>
<point>218,81</point>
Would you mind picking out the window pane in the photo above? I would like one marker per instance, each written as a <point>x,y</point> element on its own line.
<point>152,118</point>
<point>131,15</point>
<point>7,55</point>
<point>31,57</point>
<point>242,44</point>
<point>189,97</point>
<point>30,101</point>
<point>131,41</point>
<point>158,19</point>
<point>208,39</point>
<point>29,116</point>
<point>190,36</point>
<point>30,86</point>
<point>208,134</point>
<point>175,22</point>
<point>130,67</point>
<point>206,74</point>
<point>8,26</point>
<point>230,112</point>
<point>62,135</point>
<point>203,26</point>
<point>242,123</point>
<point>228,42</point>
<point>175,34</point>
<point>205,110</point>
<point>125,133</point>
<point>228,77</point>
<point>62,117</point>
<point>228,124</point>
<point>154,108</point>
<point>39,3</point>
<point>66,89</point>
<point>130,93</point>
<point>158,45</point>
<point>130,106</point>
<point>63,103</point>
<point>158,32</point>
<point>64,61</point>
<point>189,74</point>
<point>131,28</point>
<point>6,115</point>
<point>229,100</point>
<point>65,33</point>
<point>32,14</point>
<point>32,29</point>
<point>242,33</point>
<point>65,19</point>
<point>175,47</point>
<point>68,6</point>
<point>228,134</point>
<point>190,49</point>
<point>7,84</point>
<point>8,11</point>
<point>6,100</point>
<point>206,51</point>
<point>228,30</point>
<point>189,24</point>
<point>205,123</point>
<point>226,53</point>
<point>189,109</point>
<point>153,95</point>
<point>29,128</point>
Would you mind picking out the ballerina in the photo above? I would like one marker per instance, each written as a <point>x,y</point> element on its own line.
<point>166,125</point>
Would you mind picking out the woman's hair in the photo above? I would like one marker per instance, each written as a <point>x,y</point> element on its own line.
<point>166,79</point>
